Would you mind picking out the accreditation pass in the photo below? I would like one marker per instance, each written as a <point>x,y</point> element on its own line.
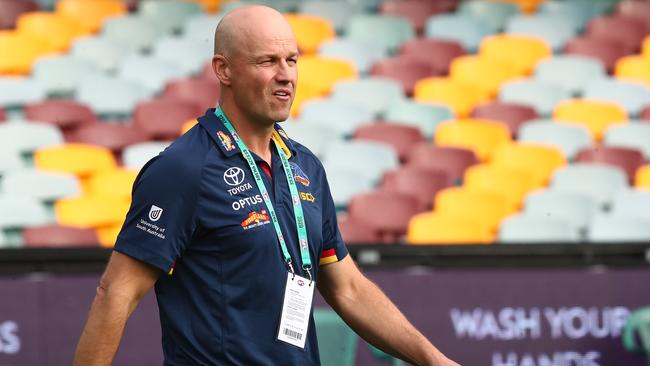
<point>296,307</point>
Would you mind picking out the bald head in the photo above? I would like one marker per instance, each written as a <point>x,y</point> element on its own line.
<point>240,26</point>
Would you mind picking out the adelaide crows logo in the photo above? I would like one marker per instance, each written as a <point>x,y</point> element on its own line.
<point>299,175</point>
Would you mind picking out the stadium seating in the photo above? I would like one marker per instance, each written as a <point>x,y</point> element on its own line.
<point>458,28</point>
<point>59,236</point>
<point>321,73</point>
<point>451,160</point>
<point>340,115</point>
<point>65,114</point>
<point>436,228</point>
<point>556,31</point>
<point>188,54</point>
<point>373,94</point>
<point>634,9</point>
<point>338,12</point>
<point>3,115</point>
<point>57,30</point>
<point>520,51</point>
<point>539,95</point>
<point>485,208</point>
<point>18,91</point>
<point>599,181</point>
<point>360,54</point>
<point>90,13</point>
<point>629,30</point>
<point>113,136</point>
<point>645,113</point>
<point>524,229</point>
<point>201,26</point>
<point>632,96</point>
<point>607,51</point>
<point>418,182</point>
<point>355,232</point>
<point>511,183</point>
<point>416,11</point>
<point>642,177</point>
<point>19,51</point>
<point>567,137</point>
<point>18,212</point>
<point>571,72</point>
<point>625,158</point>
<point>61,75</point>
<point>90,211</point>
<point>495,14</point>
<point>404,69</point>
<point>40,135</point>
<point>11,160</point>
<point>10,10</point>
<point>484,73</point>
<point>311,31</point>
<point>346,182</point>
<point>512,115</point>
<point>634,68</point>
<point>168,15</point>
<point>387,31</point>
<point>163,119</point>
<point>81,160</point>
<point>43,186</point>
<point>633,135</point>
<point>400,137</point>
<point>109,96</point>
<point>538,160</point>
<point>315,136</point>
<point>632,203</point>
<point>368,160</point>
<point>459,97</point>
<point>388,213</point>
<point>132,32</point>
<point>148,72</point>
<point>425,116</point>
<point>437,52</point>
<point>102,52</point>
<point>595,115</point>
<point>575,12</point>
<point>480,136</point>
<point>137,155</point>
<point>606,228</point>
<point>203,92</point>
<point>575,208</point>
<point>116,183</point>
<point>188,125</point>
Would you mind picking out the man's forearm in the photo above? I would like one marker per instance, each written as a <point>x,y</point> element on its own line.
<point>377,320</point>
<point>103,330</point>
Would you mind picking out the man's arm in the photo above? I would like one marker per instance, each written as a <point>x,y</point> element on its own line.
<point>365,308</point>
<point>123,284</point>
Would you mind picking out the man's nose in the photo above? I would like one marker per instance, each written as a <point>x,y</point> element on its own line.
<point>286,73</point>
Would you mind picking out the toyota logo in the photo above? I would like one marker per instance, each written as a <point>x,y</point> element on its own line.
<point>233,176</point>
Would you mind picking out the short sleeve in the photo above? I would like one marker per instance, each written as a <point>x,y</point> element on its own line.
<point>333,246</point>
<point>162,216</point>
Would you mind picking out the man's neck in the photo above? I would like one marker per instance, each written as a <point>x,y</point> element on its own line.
<point>256,136</point>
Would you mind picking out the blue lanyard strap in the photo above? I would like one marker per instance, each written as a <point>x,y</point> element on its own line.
<point>295,198</point>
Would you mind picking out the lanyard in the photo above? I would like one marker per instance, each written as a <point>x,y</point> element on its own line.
<point>295,198</point>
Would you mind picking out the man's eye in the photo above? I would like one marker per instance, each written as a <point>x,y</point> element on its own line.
<point>292,61</point>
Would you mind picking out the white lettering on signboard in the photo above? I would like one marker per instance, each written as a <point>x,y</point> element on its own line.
<point>567,358</point>
<point>9,340</point>
<point>507,324</point>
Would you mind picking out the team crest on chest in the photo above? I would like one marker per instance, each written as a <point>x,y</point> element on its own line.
<point>299,175</point>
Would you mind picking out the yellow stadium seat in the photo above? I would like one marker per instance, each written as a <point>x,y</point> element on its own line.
<point>116,183</point>
<point>19,51</point>
<point>310,31</point>
<point>90,211</point>
<point>522,52</point>
<point>636,68</point>
<point>486,208</point>
<point>303,93</point>
<point>108,235</point>
<point>188,125</point>
<point>527,6</point>
<point>484,73</point>
<point>646,47</point>
<point>319,74</point>
<point>57,30</point>
<point>90,13</point>
<point>596,116</point>
<point>512,183</point>
<point>479,135</point>
<point>538,160</point>
<point>460,97</point>
<point>209,6</point>
<point>436,228</point>
<point>82,160</point>
<point>642,178</point>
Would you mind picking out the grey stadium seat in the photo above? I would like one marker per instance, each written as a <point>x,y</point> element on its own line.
<point>632,203</point>
<point>635,134</point>
<point>18,212</point>
<point>632,96</point>
<point>368,159</point>
<point>61,75</point>
<point>338,12</point>
<point>132,32</point>
<point>110,96</point>
<point>523,229</point>
<point>569,138</point>
<point>137,155</point>
<point>572,207</point>
<point>43,186</point>
<point>314,136</point>
<point>571,72</point>
<point>13,136</point>
<point>373,94</point>
<point>169,14</point>
<point>104,53</point>
<point>386,31</point>
<point>341,115</point>
<point>18,91</point>
<point>541,96</point>
<point>425,116</point>
<point>607,228</point>
<point>361,54</point>
<point>188,53</point>
<point>150,72</point>
<point>600,181</point>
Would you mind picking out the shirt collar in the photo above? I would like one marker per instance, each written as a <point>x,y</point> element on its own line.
<point>222,137</point>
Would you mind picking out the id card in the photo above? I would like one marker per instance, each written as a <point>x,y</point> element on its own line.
<point>296,307</point>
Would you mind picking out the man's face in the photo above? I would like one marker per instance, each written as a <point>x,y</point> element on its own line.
<point>264,74</point>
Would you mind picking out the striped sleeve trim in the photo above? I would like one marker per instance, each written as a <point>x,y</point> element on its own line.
<point>328,256</point>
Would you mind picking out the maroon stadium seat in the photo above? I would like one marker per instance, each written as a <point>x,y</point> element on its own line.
<point>627,30</point>
<point>635,9</point>
<point>451,160</point>
<point>208,73</point>
<point>112,136</point>
<point>3,115</point>
<point>66,114</point>
<point>513,115</point>
<point>356,232</point>
<point>164,119</point>
<point>645,114</point>
<point>608,51</point>
<point>59,236</point>
<point>416,11</point>
<point>388,213</point>
<point>405,69</point>
<point>203,92</point>
<point>401,137</point>
<point>10,10</point>
<point>438,52</point>
<point>420,183</point>
<point>625,158</point>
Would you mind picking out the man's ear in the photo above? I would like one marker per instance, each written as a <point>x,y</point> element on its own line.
<point>221,68</point>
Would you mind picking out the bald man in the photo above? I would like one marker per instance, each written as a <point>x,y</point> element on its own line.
<point>235,226</point>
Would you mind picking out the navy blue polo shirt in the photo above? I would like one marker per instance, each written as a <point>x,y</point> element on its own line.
<point>198,215</point>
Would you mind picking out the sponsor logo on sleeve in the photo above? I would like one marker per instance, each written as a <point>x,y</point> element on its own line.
<point>299,174</point>
<point>255,219</point>
<point>226,141</point>
<point>154,213</point>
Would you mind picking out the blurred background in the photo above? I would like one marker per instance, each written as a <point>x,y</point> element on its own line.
<point>489,160</point>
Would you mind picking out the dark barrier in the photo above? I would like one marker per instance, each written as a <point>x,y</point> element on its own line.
<point>517,317</point>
